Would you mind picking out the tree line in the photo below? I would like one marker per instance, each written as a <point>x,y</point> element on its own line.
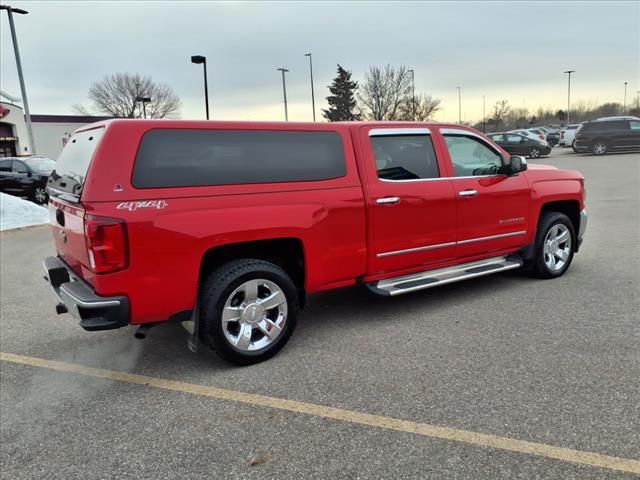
<point>504,117</point>
<point>386,93</point>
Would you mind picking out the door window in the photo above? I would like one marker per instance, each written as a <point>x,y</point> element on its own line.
<point>5,166</point>
<point>471,157</point>
<point>514,138</point>
<point>633,125</point>
<point>497,138</point>
<point>19,167</point>
<point>405,157</point>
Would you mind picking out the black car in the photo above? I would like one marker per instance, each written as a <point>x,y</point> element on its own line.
<point>607,135</point>
<point>517,144</point>
<point>26,177</point>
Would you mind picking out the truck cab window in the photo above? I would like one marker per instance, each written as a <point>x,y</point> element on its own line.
<point>405,157</point>
<point>471,157</point>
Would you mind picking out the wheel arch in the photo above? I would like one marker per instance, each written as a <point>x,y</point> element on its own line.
<point>286,252</point>
<point>571,208</point>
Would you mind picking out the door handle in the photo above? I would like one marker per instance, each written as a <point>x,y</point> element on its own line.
<point>388,200</point>
<point>468,193</point>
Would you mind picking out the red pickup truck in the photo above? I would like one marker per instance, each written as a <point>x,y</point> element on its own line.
<point>230,225</point>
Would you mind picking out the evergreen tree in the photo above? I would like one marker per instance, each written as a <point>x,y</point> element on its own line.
<point>342,101</point>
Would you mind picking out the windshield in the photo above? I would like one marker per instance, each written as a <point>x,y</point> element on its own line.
<point>40,164</point>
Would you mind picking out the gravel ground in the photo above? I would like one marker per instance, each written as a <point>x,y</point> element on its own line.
<point>554,362</point>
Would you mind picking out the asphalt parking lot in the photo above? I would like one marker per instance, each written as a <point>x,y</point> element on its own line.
<point>502,360</point>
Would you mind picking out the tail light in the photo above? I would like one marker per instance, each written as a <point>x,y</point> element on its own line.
<point>107,243</point>
<point>541,137</point>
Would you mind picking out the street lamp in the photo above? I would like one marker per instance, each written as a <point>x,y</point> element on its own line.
<point>413,94</point>
<point>484,116</point>
<point>199,59</point>
<point>313,100</point>
<point>569,72</point>
<point>624,104</point>
<point>144,101</point>
<point>284,91</point>
<point>638,99</point>
<point>25,102</point>
<point>459,105</point>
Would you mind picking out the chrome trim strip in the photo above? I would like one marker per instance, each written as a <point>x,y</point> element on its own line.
<point>380,132</point>
<point>492,237</point>
<point>417,249</point>
<point>450,244</point>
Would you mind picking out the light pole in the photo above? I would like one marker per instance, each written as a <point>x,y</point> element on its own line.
<point>484,116</point>
<point>413,94</point>
<point>25,101</point>
<point>199,59</point>
<point>459,105</point>
<point>144,101</point>
<point>624,104</point>
<point>313,99</point>
<point>638,99</point>
<point>284,91</point>
<point>569,72</point>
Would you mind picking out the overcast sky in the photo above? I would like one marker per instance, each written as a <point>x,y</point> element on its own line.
<point>511,50</point>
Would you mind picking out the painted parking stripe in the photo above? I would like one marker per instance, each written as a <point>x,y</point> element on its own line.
<point>358,418</point>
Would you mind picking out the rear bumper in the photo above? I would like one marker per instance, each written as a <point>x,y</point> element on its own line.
<point>78,298</point>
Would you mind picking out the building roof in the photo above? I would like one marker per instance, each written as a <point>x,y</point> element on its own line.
<point>82,119</point>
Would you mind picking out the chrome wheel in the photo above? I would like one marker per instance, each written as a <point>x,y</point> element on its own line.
<point>599,148</point>
<point>557,247</point>
<point>534,153</point>
<point>40,195</point>
<point>254,315</point>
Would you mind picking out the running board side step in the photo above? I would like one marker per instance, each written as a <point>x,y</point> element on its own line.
<point>442,276</point>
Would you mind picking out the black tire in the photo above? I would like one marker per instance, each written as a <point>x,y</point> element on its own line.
<point>573,147</point>
<point>548,220</point>
<point>217,288</point>
<point>599,147</point>
<point>534,152</point>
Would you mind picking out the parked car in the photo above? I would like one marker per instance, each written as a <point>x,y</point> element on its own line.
<point>517,144</point>
<point>231,225</point>
<point>605,136</point>
<point>26,177</point>
<point>568,134</point>
<point>527,133</point>
<point>552,136</point>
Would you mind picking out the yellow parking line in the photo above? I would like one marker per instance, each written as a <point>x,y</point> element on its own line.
<point>358,418</point>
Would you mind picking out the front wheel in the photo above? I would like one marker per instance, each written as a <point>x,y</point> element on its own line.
<point>248,310</point>
<point>534,152</point>
<point>554,246</point>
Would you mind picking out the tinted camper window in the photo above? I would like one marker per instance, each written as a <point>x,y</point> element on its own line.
<point>185,158</point>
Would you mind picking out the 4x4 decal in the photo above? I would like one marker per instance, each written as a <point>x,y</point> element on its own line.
<point>132,206</point>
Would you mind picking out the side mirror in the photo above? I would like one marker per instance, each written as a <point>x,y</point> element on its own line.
<point>517,164</point>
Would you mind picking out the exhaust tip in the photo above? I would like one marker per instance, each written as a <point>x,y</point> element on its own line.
<point>141,333</point>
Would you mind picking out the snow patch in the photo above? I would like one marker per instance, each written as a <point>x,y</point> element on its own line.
<point>16,212</point>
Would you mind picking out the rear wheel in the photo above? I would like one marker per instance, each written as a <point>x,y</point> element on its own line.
<point>599,147</point>
<point>248,310</point>
<point>554,247</point>
<point>534,152</point>
<point>40,195</point>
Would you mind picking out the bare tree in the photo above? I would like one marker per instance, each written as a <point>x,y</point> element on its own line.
<point>425,108</point>
<point>501,110</point>
<point>116,95</point>
<point>384,91</point>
